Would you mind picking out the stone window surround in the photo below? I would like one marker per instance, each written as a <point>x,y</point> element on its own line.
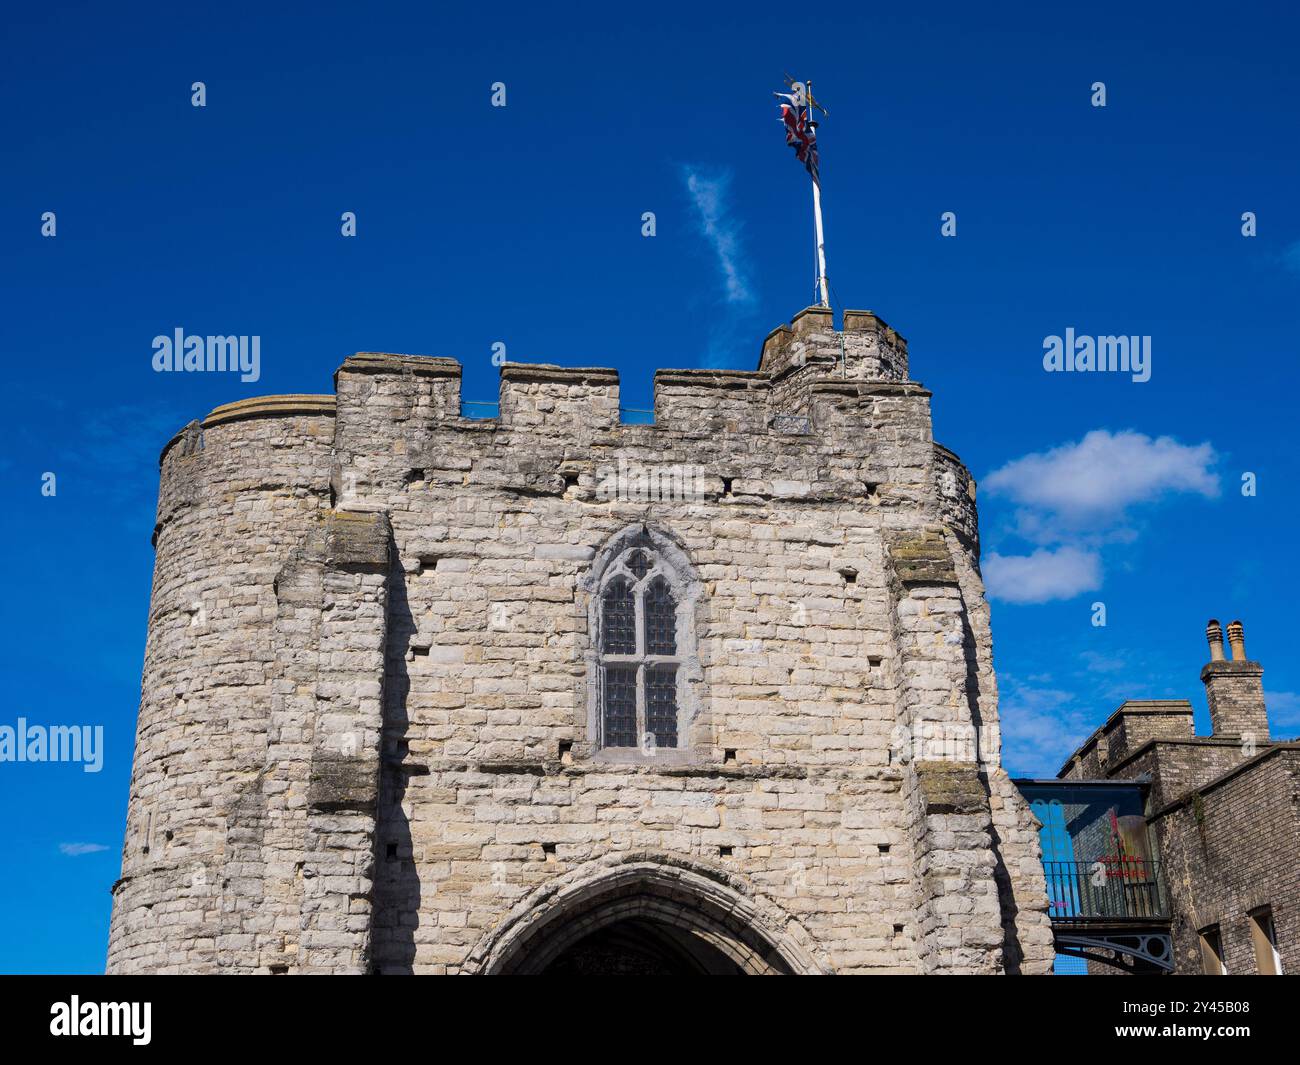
<point>675,567</point>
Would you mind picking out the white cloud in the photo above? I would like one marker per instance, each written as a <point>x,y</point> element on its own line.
<point>1097,662</point>
<point>1045,575</point>
<point>709,194</point>
<point>1096,479</point>
<point>73,850</point>
<point>1074,498</point>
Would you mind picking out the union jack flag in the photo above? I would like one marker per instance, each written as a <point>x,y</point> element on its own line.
<point>800,132</point>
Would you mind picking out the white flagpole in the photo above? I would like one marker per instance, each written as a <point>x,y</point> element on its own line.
<point>821,244</point>
<point>817,216</point>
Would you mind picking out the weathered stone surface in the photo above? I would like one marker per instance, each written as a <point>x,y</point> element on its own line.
<point>342,783</point>
<point>370,735</point>
<point>922,558</point>
<point>951,788</point>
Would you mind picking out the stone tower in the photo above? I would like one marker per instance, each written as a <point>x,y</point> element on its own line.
<point>548,692</point>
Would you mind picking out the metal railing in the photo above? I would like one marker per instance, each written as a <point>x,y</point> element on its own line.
<point>1107,889</point>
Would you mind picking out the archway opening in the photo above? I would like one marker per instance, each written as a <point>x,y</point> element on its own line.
<point>639,947</point>
<point>641,923</point>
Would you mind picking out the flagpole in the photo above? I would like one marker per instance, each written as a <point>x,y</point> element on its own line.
<point>817,216</point>
<point>821,244</point>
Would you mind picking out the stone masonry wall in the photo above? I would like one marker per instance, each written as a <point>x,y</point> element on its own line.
<point>1221,850</point>
<point>413,777</point>
<point>236,497</point>
<point>260,700</point>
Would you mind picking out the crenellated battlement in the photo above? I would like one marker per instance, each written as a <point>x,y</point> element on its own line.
<point>834,406</point>
<point>708,402</point>
<point>534,395</point>
<point>286,406</point>
<point>866,348</point>
<point>797,360</point>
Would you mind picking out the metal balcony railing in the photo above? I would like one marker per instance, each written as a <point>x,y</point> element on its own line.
<point>1107,889</point>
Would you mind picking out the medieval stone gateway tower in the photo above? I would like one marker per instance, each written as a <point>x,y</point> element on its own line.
<point>548,692</point>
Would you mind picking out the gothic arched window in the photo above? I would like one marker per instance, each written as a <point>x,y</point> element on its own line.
<point>639,653</point>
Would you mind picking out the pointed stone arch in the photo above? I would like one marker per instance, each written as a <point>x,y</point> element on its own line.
<point>708,906</point>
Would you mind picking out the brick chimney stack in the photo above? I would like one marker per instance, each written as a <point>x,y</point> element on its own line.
<point>1235,688</point>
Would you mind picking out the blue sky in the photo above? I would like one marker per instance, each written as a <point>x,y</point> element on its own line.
<point>522,225</point>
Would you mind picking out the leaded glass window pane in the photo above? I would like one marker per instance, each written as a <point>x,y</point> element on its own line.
<point>620,706</point>
<point>639,653</point>
<point>661,704</point>
<point>619,628</point>
<point>660,619</point>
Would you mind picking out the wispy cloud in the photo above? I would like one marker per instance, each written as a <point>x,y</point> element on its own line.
<point>1097,662</point>
<point>1283,711</point>
<point>1046,714</point>
<point>710,193</point>
<point>74,850</point>
<point>1073,499</point>
<point>113,456</point>
<point>1040,727</point>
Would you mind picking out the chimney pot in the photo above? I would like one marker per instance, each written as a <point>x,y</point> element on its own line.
<point>1237,641</point>
<point>1214,633</point>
